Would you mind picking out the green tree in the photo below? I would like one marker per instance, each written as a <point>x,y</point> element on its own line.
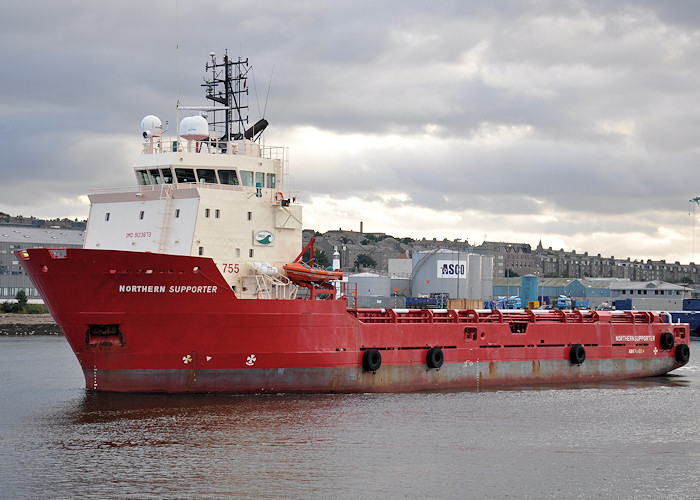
<point>364,260</point>
<point>320,258</point>
<point>21,300</point>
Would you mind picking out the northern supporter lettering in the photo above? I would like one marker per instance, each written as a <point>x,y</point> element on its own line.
<point>162,289</point>
<point>634,338</point>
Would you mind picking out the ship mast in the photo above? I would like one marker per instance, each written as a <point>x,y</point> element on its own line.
<point>228,85</point>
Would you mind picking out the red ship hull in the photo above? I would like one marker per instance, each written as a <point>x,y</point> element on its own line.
<point>144,322</point>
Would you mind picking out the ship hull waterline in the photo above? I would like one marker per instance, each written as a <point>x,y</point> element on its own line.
<point>144,322</point>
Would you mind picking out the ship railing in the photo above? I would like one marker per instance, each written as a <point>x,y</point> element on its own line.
<point>242,148</point>
<point>272,196</point>
<point>272,286</point>
<point>509,316</point>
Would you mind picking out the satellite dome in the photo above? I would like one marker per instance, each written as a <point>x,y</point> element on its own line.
<point>194,128</point>
<point>151,126</point>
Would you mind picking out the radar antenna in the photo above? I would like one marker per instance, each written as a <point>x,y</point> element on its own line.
<point>228,85</point>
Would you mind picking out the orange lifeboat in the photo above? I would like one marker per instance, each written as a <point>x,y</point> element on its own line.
<point>300,274</point>
<point>307,276</point>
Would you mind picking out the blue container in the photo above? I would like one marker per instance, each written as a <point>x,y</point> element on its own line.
<point>528,287</point>
<point>691,304</point>
<point>623,304</point>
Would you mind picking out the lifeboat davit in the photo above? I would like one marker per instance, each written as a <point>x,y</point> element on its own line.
<point>301,274</point>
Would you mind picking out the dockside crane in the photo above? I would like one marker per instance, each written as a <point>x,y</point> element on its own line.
<point>692,202</point>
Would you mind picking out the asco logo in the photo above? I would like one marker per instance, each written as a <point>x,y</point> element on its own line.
<point>449,269</point>
<point>264,237</point>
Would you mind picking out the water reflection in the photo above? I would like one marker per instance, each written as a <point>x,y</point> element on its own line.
<point>591,440</point>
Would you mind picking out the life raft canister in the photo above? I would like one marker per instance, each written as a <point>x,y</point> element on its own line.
<point>577,355</point>
<point>371,360</point>
<point>666,340</point>
<point>435,357</point>
<point>682,353</point>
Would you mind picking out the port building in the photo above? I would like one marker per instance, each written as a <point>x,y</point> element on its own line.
<point>15,237</point>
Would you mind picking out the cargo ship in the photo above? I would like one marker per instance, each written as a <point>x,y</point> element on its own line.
<point>194,281</point>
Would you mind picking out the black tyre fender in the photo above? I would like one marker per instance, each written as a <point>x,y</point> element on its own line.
<point>666,340</point>
<point>682,353</point>
<point>435,357</point>
<point>372,360</point>
<point>577,354</point>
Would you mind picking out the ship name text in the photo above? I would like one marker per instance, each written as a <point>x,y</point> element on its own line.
<point>164,289</point>
<point>634,338</point>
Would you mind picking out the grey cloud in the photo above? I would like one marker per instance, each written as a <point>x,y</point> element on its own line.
<point>608,92</point>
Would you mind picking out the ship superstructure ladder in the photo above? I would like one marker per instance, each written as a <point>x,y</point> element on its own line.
<point>273,286</point>
<point>167,195</point>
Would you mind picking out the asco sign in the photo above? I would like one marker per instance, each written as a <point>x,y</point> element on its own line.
<point>451,269</point>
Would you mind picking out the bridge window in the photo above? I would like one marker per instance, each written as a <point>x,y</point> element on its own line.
<point>247,178</point>
<point>184,175</point>
<point>228,177</point>
<point>206,175</point>
<point>167,176</point>
<point>271,181</point>
<point>155,176</point>
<point>142,177</point>
<point>260,179</point>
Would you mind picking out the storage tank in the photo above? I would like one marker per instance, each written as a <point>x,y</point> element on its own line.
<point>528,289</point>
<point>474,276</point>
<point>440,271</point>
<point>370,284</point>
<point>486,277</point>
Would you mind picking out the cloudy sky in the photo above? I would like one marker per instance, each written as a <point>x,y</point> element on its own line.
<point>574,123</point>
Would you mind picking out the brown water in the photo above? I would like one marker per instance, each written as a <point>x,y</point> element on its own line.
<point>636,439</point>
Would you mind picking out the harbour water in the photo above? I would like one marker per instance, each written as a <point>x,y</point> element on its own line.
<point>638,439</point>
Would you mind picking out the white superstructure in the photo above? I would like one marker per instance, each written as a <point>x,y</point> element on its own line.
<point>207,195</point>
